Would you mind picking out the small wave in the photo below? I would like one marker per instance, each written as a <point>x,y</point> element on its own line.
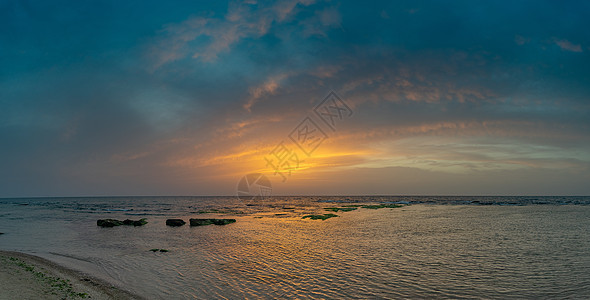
<point>84,211</point>
<point>70,256</point>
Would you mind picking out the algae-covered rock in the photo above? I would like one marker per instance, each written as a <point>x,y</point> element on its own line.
<point>200,222</point>
<point>175,222</point>
<point>204,222</point>
<point>337,209</point>
<point>223,221</point>
<point>113,222</point>
<point>140,222</point>
<point>108,223</point>
<point>319,217</point>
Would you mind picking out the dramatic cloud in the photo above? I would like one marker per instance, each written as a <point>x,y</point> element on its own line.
<point>143,98</point>
<point>205,38</point>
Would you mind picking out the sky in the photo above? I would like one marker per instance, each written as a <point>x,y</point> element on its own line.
<point>102,98</point>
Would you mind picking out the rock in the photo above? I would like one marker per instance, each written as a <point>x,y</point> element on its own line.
<point>175,222</point>
<point>141,222</point>
<point>223,221</point>
<point>203,222</point>
<point>159,250</point>
<point>108,223</point>
<point>320,217</point>
<point>200,222</point>
<point>135,223</point>
<point>113,222</point>
<point>337,209</point>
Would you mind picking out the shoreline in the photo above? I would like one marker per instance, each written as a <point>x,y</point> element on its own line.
<point>25,276</point>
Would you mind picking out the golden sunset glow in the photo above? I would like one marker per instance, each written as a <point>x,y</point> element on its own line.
<point>187,103</point>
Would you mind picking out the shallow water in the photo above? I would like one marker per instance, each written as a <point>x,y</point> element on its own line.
<point>511,249</point>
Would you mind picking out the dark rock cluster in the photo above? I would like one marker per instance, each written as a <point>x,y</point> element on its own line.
<point>175,222</point>
<point>203,222</point>
<point>199,222</point>
<point>169,222</point>
<point>113,222</point>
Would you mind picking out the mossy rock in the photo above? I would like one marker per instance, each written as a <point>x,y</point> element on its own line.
<point>320,217</point>
<point>113,222</point>
<point>175,222</point>
<point>109,223</point>
<point>223,221</point>
<point>159,250</point>
<point>337,209</point>
<point>140,222</point>
<point>204,222</point>
<point>200,222</point>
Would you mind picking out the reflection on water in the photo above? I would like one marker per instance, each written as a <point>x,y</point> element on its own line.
<point>417,251</point>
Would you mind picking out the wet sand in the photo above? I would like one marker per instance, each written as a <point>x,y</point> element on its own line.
<point>26,276</point>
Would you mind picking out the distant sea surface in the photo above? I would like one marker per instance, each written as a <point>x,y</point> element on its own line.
<point>431,247</point>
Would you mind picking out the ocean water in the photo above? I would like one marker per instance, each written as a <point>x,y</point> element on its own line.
<point>432,247</point>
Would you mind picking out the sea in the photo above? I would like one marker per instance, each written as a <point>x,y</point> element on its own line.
<point>443,247</point>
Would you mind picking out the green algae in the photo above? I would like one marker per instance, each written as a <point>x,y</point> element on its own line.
<point>320,217</point>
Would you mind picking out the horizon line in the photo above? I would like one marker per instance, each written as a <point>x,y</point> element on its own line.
<point>218,196</point>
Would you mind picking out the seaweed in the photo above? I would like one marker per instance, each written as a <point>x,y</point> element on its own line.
<point>337,209</point>
<point>160,250</point>
<point>58,285</point>
<point>320,217</point>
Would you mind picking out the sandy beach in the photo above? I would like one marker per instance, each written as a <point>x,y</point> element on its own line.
<point>25,276</point>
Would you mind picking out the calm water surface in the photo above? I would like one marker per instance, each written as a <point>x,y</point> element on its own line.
<point>443,247</point>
